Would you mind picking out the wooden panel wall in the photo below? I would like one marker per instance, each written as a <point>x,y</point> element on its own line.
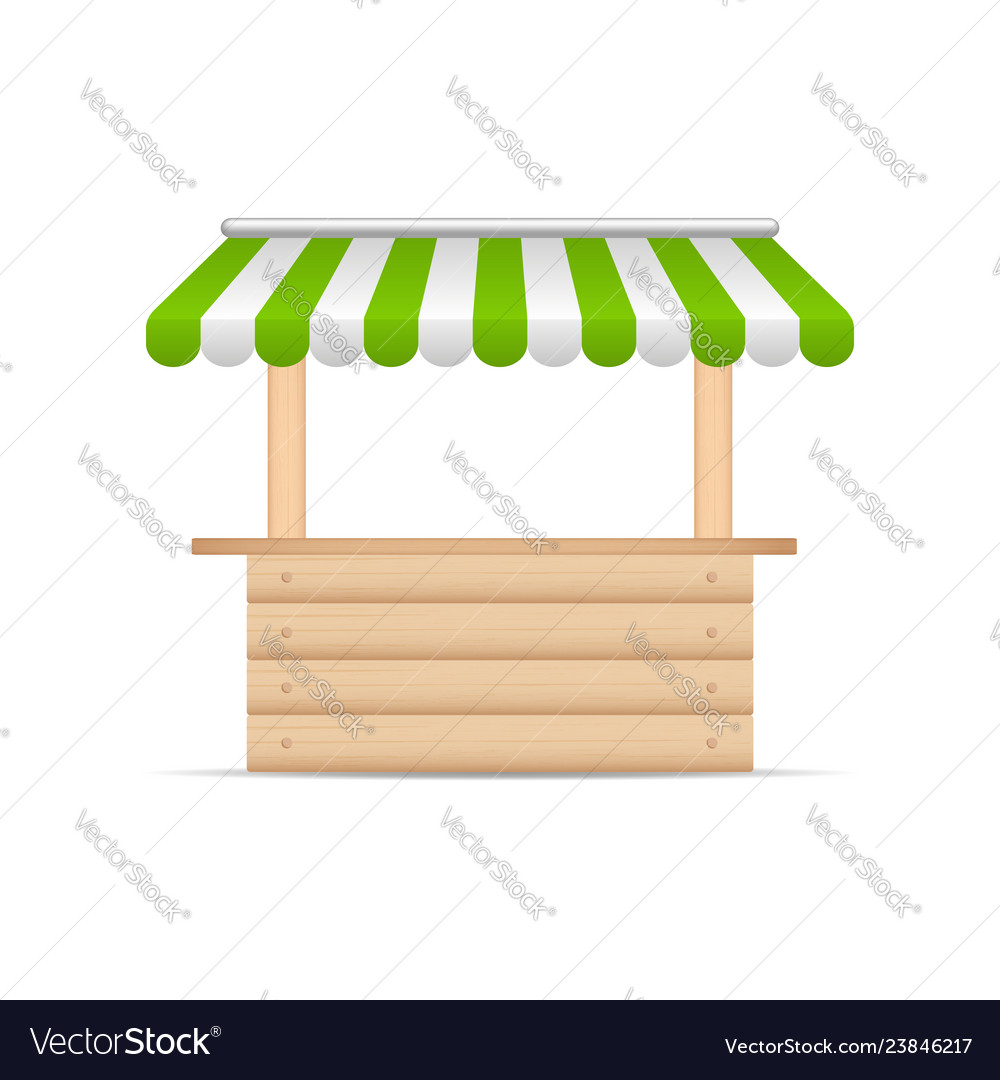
<point>502,662</point>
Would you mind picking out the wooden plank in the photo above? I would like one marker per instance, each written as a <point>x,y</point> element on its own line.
<point>713,450</point>
<point>500,631</point>
<point>477,546</point>
<point>415,578</point>
<point>500,744</point>
<point>418,687</point>
<point>286,451</point>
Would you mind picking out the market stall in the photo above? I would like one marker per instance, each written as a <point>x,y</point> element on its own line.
<point>486,655</point>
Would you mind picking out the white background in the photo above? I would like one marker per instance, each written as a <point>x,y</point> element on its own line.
<point>123,670</point>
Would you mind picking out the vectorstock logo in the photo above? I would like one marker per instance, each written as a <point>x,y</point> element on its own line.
<point>141,1041</point>
<point>503,138</point>
<point>322,692</point>
<point>135,873</point>
<point>869,871</point>
<point>140,143</point>
<point>873,139</point>
<point>688,689</point>
<point>670,307</point>
<point>505,508</point>
<point>503,872</point>
<point>869,504</point>
<point>141,511</point>
<point>321,325</point>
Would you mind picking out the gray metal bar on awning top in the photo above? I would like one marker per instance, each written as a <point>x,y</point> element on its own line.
<point>355,228</point>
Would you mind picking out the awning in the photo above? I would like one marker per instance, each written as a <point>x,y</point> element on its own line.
<point>552,289</point>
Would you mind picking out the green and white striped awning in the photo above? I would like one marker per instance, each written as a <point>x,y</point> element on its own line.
<point>385,290</point>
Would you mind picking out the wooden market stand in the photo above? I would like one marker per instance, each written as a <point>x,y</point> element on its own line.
<point>479,655</point>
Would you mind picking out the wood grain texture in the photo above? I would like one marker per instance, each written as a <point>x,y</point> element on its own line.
<point>499,744</point>
<point>419,687</point>
<point>713,450</point>
<point>286,451</point>
<point>519,578</point>
<point>499,631</point>
<point>483,546</point>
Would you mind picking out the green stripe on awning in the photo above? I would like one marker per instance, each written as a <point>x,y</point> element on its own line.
<point>500,310</point>
<point>718,328</point>
<point>608,330</point>
<point>173,330</point>
<point>281,328</point>
<point>826,331</point>
<point>392,318</point>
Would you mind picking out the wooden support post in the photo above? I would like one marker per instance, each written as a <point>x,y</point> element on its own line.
<point>713,450</point>
<point>286,450</point>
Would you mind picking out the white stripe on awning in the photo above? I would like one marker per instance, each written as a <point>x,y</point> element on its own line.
<point>662,331</point>
<point>227,328</point>
<point>345,301</point>
<point>772,327</point>
<point>444,329</point>
<point>554,325</point>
